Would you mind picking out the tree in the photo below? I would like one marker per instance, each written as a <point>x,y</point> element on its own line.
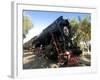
<point>85,27</point>
<point>74,23</point>
<point>74,27</point>
<point>85,31</point>
<point>27,25</point>
<point>81,30</point>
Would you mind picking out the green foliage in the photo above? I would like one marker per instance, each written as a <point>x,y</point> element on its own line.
<point>82,29</point>
<point>74,23</point>
<point>27,24</point>
<point>74,26</point>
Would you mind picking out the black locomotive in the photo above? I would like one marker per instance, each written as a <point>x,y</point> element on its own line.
<point>56,43</point>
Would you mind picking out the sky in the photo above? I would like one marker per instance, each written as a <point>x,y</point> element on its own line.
<point>42,19</point>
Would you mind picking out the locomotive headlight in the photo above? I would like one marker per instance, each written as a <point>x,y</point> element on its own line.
<point>67,53</point>
<point>66,31</point>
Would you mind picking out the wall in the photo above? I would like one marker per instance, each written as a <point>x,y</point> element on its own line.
<point>5,37</point>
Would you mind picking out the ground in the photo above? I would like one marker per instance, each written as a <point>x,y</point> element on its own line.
<point>32,61</point>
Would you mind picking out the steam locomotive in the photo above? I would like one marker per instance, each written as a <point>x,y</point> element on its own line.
<point>55,42</point>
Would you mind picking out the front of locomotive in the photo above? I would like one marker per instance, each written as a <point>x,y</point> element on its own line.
<point>70,52</point>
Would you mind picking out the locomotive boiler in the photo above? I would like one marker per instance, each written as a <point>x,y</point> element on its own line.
<point>55,42</point>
